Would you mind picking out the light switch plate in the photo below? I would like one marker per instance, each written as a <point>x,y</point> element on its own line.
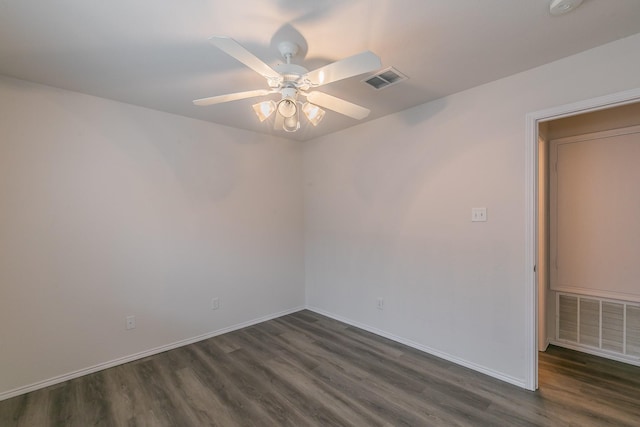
<point>478,214</point>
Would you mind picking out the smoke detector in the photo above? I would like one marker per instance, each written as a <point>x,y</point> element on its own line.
<point>560,7</point>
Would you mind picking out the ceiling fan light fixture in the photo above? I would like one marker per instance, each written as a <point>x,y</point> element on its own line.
<point>313,113</point>
<point>264,109</point>
<point>287,107</point>
<point>291,124</point>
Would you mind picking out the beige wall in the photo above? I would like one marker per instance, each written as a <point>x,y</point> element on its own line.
<point>594,210</point>
<point>597,121</point>
<point>109,210</point>
<point>388,205</point>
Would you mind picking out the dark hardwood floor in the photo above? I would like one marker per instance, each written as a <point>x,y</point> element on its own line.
<point>305,369</point>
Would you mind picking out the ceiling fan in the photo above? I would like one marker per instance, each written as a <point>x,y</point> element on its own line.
<point>293,82</point>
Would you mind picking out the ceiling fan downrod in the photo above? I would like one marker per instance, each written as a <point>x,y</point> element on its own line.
<point>288,50</point>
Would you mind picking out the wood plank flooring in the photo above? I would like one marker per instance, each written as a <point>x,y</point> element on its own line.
<point>308,370</point>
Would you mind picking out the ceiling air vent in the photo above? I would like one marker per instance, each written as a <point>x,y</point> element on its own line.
<point>385,78</point>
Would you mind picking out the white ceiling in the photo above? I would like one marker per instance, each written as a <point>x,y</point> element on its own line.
<point>154,53</point>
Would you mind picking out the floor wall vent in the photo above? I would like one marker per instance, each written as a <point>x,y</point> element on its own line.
<point>609,328</point>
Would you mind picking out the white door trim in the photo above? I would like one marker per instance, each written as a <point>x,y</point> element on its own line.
<point>531,207</point>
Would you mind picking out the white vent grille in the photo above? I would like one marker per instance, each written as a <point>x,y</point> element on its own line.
<point>568,318</point>
<point>633,331</point>
<point>607,327</point>
<point>613,326</point>
<point>590,322</point>
<point>385,78</point>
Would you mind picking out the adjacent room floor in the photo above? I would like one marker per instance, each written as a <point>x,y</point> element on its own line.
<point>305,369</point>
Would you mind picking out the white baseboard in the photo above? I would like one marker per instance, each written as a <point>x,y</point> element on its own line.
<point>544,346</point>
<point>631,360</point>
<point>130,358</point>
<point>442,355</point>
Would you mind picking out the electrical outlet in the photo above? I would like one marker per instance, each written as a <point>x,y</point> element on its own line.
<point>478,214</point>
<point>215,303</point>
<point>131,322</point>
<point>380,304</point>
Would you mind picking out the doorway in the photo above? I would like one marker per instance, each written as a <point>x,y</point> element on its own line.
<point>537,128</point>
<point>591,139</point>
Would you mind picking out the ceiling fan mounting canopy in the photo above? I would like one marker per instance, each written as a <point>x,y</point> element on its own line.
<point>292,80</point>
<point>288,49</point>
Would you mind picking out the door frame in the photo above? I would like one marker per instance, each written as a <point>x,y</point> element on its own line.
<point>533,120</point>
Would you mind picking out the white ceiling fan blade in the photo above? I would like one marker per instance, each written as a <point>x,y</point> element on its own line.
<point>363,62</point>
<point>235,49</point>
<point>203,102</point>
<point>338,105</point>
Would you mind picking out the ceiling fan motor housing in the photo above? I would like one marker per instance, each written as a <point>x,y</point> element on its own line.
<point>289,92</point>
<point>292,74</point>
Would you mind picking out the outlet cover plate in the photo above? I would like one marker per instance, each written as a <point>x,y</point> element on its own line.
<point>130,322</point>
<point>478,214</point>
